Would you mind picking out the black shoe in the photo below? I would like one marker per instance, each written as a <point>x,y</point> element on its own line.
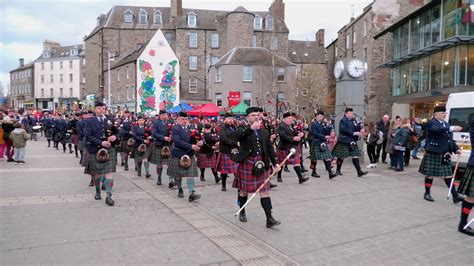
<point>338,172</point>
<point>180,193</point>
<point>272,222</point>
<point>109,201</point>
<point>91,184</point>
<point>123,163</point>
<point>304,170</point>
<point>10,160</point>
<point>398,170</point>
<point>273,185</point>
<point>303,179</point>
<point>217,179</point>
<point>428,197</point>
<point>97,196</point>
<point>279,179</point>
<point>362,173</point>
<point>77,156</point>
<point>468,231</point>
<point>314,174</point>
<point>332,175</point>
<point>384,162</point>
<point>147,176</point>
<point>171,185</point>
<point>158,183</point>
<point>102,187</point>
<point>391,168</point>
<point>126,168</point>
<point>194,196</point>
<point>223,188</point>
<point>286,169</point>
<point>242,217</point>
<point>202,179</point>
<point>70,151</point>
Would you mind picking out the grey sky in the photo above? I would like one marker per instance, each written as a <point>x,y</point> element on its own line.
<point>26,23</point>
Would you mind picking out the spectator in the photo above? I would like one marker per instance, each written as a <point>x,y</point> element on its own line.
<point>389,148</point>
<point>384,126</point>
<point>418,132</point>
<point>374,138</point>
<point>19,137</point>
<point>401,139</point>
<point>7,125</point>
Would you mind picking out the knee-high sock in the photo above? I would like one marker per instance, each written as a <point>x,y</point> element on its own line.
<point>339,164</point>
<point>267,207</point>
<point>313,165</point>
<point>202,171</point>
<point>327,164</point>
<point>97,183</point>
<point>298,171</point>
<point>178,182</point>
<point>70,147</point>
<point>242,200</point>
<point>447,181</point>
<point>465,210</point>
<point>428,184</point>
<point>214,172</point>
<point>224,179</point>
<point>75,149</point>
<point>147,167</point>
<point>109,183</point>
<point>279,173</point>
<point>190,182</point>
<point>159,171</point>
<point>356,163</point>
<point>139,166</point>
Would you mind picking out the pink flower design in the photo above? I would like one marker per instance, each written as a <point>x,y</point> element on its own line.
<point>152,52</point>
<point>146,66</point>
<point>150,101</point>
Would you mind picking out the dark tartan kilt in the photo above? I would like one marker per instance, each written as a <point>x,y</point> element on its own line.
<point>48,134</point>
<point>205,161</point>
<point>466,185</point>
<point>432,165</point>
<point>317,154</point>
<point>124,147</point>
<point>245,181</point>
<point>155,156</point>
<point>66,140</point>
<point>293,160</point>
<point>140,156</point>
<point>85,161</point>
<point>57,136</point>
<point>97,168</point>
<point>226,165</point>
<point>80,145</point>
<point>75,139</point>
<point>174,170</point>
<point>343,150</point>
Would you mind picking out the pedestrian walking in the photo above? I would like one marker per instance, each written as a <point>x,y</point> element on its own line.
<point>19,137</point>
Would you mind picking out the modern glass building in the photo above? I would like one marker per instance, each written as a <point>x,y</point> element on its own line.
<point>432,55</point>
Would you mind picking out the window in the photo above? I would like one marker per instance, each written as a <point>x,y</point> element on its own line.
<point>83,78</point>
<point>218,74</point>
<point>193,62</point>
<point>60,92</point>
<point>169,38</point>
<point>42,93</point>
<point>83,61</point>
<point>127,73</point>
<point>461,117</point>
<point>51,79</point>
<point>132,90</point>
<point>274,43</point>
<point>269,23</point>
<point>254,40</point>
<point>61,65</point>
<point>192,20</point>
<point>281,97</point>
<point>348,40</point>
<point>365,28</point>
<point>51,65</point>
<point>61,78</point>
<point>118,74</point>
<point>74,51</point>
<point>281,74</point>
<point>247,73</point>
<point>42,78</point>
<point>193,40</point>
<point>214,60</point>
<point>214,40</point>
<point>143,17</point>
<point>42,66</point>
<point>193,85</point>
<point>219,99</point>
<point>128,16</point>
<point>248,98</point>
<point>47,54</point>
<point>354,37</point>
<point>157,18</point>
<point>51,94</point>
<point>297,91</point>
<point>70,78</point>
<point>257,22</point>
<point>70,64</point>
<point>448,59</point>
<point>118,94</point>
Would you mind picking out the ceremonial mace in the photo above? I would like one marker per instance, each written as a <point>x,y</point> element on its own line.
<point>464,137</point>
<point>292,151</point>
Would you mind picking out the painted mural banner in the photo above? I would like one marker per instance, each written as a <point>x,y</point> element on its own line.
<point>157,76</point>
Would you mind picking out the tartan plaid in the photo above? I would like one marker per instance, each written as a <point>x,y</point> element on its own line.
<point>140,156</point>
<point>226,165</point>
<point>293,160</point>
<point>124,147</point>
<point>75,139</point>
<point>80,145</point>
<point>174,170</point>
<point>204,161</point>
<point>57,136</point>
<point>466,185</point>
<point>155,157</point>
<point>49,134</point>
<point>97,168</point>
<point>432,165</point>
<point>85,162</point>
<point>245,181</point>
<point>343,150</point>
<point>317,154</point>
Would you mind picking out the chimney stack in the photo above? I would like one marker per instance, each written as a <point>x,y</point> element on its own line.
<point>320,38</point>
<point>277,9</point>
<point>48,45</point>
<point>176,8</point>
<point>22,62</point>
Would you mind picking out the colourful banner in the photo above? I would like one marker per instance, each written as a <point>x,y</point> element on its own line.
<point>234,98</point>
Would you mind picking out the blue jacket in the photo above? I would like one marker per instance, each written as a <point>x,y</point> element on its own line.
<point>181,142</point>
<point>80,129</point>
<point>95,133</point>
<point>159,131</point>
<point>401,137</point>
<point>347,128</point>
<point>438,137</point>
<point>319,132</point>
<point>138,135</point>
<point>471,133</point>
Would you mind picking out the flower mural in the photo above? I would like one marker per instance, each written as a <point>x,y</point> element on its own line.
<point>147,89</point>
<point>168,85</point>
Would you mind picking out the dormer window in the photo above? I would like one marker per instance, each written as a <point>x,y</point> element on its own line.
<point>74,51</point>
<point>257,22</point>
<point>157,17</point>
<point>192,20</point>
<point>128,16</point>
<point>143,17</point>
<point>269,23</point>
<point>47,54</point>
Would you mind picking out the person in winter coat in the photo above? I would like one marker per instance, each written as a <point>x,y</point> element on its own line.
<point>374,138</point>
<point>19,137</point>
<point>401,139</point>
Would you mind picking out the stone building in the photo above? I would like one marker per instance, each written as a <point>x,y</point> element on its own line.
<point>22,86</point>
<point>254,73</point>
<point>198,37</point>
<point>356,40</point>
<point>311,90</point>
<point>58,76</point>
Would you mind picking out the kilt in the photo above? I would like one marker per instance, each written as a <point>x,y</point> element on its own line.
<point>140,156</point>
<point>65,140</point>
<point>293,160</point>
<point>226,165</point>
<point>245,181</point>
<point>49,134</point>
<point>317,154</point>
<point>75,139</point>
<point>205,161</point>
<point>343,150</point>
<point>97,168</point>
<point>466,185</point>
<point>85,161</point>
<point>124,147</point>
<point>431,165</point>
<point>80,144</point>
<point>58,136</point>
<point>155,156</point>
<point>174,170</point>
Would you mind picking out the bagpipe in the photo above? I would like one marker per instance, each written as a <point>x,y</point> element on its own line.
<point>165,150</point>
<point>103,155</point>
<point>142,148</point>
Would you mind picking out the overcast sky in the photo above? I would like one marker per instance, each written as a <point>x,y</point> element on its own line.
<point>26,23</point>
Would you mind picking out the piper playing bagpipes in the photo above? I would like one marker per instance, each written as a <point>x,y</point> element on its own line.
<point>206,157</point>
<point>319,146</point>
<point>161,132</point>
<point>142,137</point>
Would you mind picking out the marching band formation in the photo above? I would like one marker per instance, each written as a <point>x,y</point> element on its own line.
<point>252,148</point>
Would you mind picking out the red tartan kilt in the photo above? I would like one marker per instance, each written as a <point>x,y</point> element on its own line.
<point>74,139</point>
<point>226,165</point>
<point>294,160</point>
<point>204,161</point>
<point>245,181</point>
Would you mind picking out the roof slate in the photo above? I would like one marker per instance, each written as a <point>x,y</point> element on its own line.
<point>252,56</point>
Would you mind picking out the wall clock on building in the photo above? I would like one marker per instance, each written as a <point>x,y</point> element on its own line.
<point>356,68</point>
<point>338,69</point>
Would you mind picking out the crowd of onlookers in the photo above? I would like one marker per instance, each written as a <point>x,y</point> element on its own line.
<point>13,138</point>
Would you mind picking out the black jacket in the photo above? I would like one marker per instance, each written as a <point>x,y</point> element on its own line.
<point>244,135</point>
<point>227,139</point>
<point>384,128</point>
<point>286,135</point>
